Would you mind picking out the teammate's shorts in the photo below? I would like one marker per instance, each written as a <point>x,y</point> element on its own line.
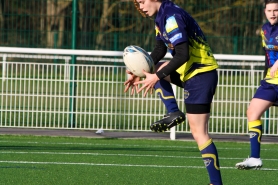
<point>199,89</point>
<point>268,92</point>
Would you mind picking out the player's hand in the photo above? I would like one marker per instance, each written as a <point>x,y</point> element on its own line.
<point>273,69</point>
<point>148,83</point>
<point>131,82</point>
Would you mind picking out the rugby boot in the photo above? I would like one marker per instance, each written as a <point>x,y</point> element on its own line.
<point>250,163</point>
<point>168,121</point>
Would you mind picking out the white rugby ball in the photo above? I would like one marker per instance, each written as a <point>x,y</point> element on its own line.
<point>136,59</point>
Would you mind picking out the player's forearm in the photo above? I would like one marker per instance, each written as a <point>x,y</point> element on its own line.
<point>181,56</point>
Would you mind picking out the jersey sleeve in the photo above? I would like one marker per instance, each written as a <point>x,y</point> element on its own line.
<point>175,28</point>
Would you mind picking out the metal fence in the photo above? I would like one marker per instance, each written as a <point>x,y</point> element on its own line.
<point>40,88</point>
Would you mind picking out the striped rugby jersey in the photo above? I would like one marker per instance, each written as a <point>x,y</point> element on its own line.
<point>173,25</point>
<point>269,35</point>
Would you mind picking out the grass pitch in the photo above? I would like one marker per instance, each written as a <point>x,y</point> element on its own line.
<point>40,160</point>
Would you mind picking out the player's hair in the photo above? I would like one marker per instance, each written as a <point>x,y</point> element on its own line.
<point>137,6</point>
<point>270,1</point>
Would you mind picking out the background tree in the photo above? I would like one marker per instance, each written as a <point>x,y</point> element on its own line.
<point>231,26</point>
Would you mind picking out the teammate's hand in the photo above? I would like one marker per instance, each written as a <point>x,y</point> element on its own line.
<point>148,83</point>
<point>131,82</point>
<point>273,69</point>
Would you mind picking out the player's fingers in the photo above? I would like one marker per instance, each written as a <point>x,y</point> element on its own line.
<point>151,91</point>
<point>126,87</point>
<point>146,92</point>
<point>126,82</point>
<point>139,82</point>
<point>142,88</point>
<point>128,72</point>
<point>137,89</point>
<point>132,90</point>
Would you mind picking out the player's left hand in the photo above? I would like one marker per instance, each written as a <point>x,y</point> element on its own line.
<point>273,69</point>
<point>148,83</point>
<point>130,83</point>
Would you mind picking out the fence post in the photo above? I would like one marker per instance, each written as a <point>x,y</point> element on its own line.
<point>115,49</point>
<point>4,68</point>
<point>266,123</point>
<point>72,100</point>
<point>173,129</point>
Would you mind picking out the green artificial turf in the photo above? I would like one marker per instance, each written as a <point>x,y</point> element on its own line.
<point>33,160</point>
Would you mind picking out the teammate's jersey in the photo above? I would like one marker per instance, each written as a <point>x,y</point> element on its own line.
<point>173,25</point>
<point>269,35</point>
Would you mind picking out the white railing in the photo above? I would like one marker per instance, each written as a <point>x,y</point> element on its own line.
<point>36,92</point>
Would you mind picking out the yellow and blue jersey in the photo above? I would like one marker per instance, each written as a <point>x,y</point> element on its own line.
<point>173,26</point>
<point>269,35</point>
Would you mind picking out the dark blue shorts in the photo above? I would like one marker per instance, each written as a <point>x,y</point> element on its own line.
<point>199,89</point>
<point>267,92</point>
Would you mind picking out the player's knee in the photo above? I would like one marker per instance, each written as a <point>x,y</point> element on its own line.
<point>251,114</point>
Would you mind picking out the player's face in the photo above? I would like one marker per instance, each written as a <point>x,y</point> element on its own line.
<point>271,13</point>
<point>149,7</point>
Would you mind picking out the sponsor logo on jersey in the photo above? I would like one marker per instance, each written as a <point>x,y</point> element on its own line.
<point>171,24</point>
<point>176,37</point>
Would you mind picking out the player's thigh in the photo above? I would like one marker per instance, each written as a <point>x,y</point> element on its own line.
<point>265,96</point>
<point>199,127</point>
<point>256,108</point>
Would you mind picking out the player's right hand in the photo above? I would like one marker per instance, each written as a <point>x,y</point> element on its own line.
<point>130,82</point>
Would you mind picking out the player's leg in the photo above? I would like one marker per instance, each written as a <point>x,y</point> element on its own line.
<point>199,93</point>
<point>255,110</point>
<point>174,116</point>
<point>198,126</point>
<point>263,99</point>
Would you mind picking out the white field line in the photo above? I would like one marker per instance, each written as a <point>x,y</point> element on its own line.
<point>124,155</point>
<point>118,165</point>
<point>101,164</point>
<point>121,145</point>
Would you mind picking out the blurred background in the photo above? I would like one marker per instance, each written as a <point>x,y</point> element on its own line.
<point>231,26</point>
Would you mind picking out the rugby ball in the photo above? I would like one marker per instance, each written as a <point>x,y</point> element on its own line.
<point>136,59</point>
